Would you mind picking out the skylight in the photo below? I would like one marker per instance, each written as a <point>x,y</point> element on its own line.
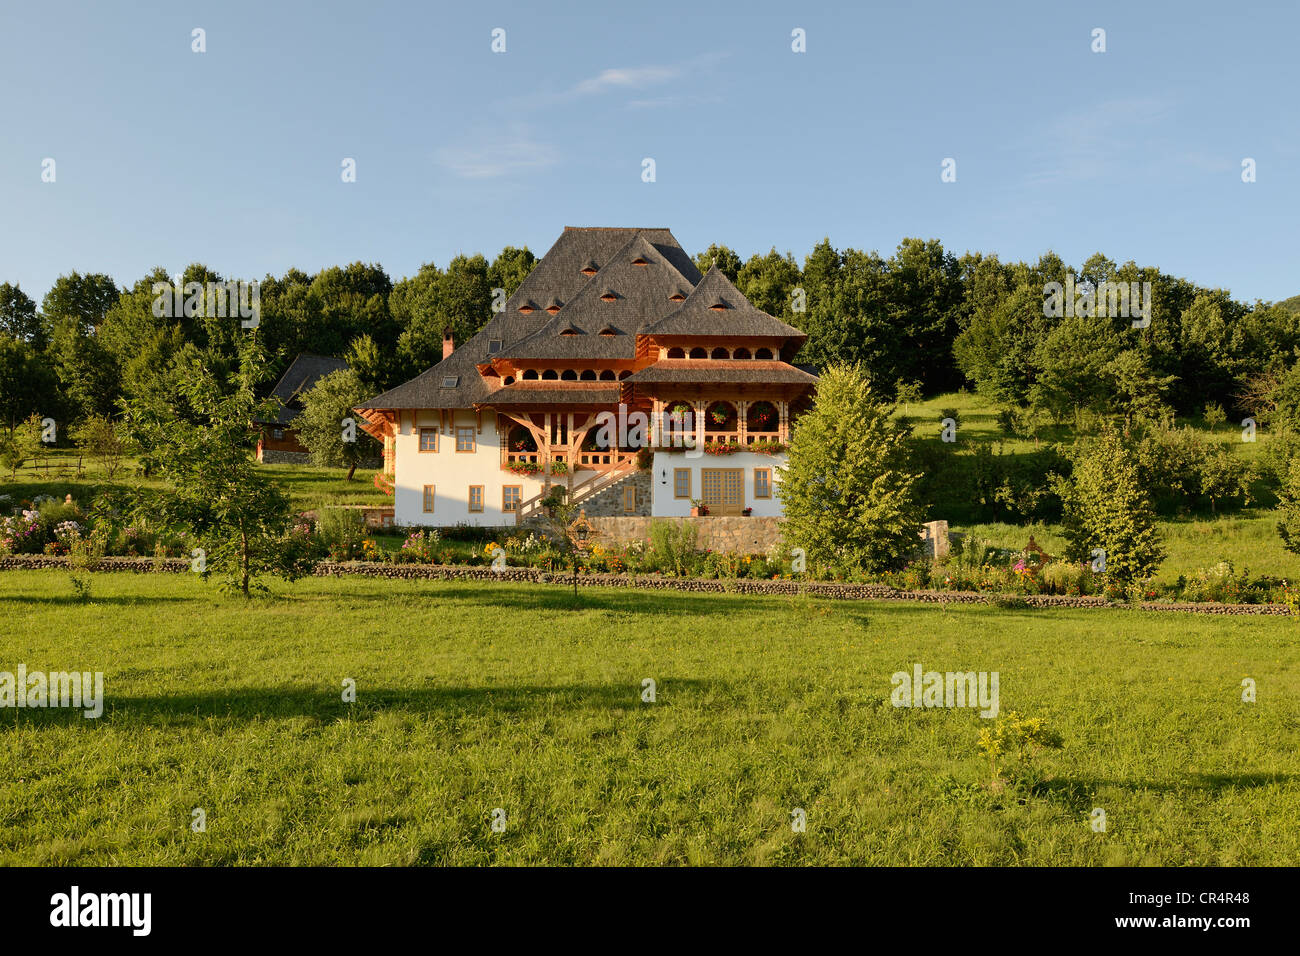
<point>494,346</point>
<point>450,381</point>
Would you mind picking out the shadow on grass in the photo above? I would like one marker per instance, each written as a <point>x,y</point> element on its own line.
<point>71,600</point>
<point>559,597</point>
<point>264,703</point>
<point>1081,794</point>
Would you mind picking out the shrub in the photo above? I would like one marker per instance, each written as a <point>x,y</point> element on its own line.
<point>1107,508</point>
<point>1011,745</point>
<point>673,544</point>
<point>341,531</point>
<point>1220,583</point>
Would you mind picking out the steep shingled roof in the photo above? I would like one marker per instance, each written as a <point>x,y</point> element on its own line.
<point>722,370</point>
<point>303,372</point>
<point>565,393</point>
<point>557,274</point>
<point>593,326</point>
<point>698,316</point>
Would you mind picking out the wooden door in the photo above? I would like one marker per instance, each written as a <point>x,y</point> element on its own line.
<point>723,490</point>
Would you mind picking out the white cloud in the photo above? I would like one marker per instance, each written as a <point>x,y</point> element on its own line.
<point>493,156</point>
<point>628,78</point>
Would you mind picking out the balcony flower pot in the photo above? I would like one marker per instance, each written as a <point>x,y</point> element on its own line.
<point>747,512</point>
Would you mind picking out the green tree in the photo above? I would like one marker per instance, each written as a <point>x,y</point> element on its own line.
<point>1288,509</point>
<point>848,497</point>
<point>724,258</point>
<point>102,439</point>
<point>80,301</point>
<point>1223,475</point>
<point>27,382</point>
<point>327,425</point>
<point>1105,507</point>
<point>21,443</point>
<point>215,488</point>
<point>19,318</point>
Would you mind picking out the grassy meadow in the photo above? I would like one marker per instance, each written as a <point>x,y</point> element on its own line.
<point>474,696</point>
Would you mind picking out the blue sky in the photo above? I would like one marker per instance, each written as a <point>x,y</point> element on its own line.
<point>232,157</point>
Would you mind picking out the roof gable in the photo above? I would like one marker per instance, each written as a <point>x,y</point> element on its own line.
<point>630,290</point>
<point>715,307</point>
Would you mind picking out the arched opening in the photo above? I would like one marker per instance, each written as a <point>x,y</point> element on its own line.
<point>720,353</point>
<point>530,375</point>
<point>761,417</point>
<point>720,417</point>
<point>550,375</point>
<point>508,380</point>
<point>623,374</point>
<point>741,353</point>
<point>763,354</point>
<point>678,426</point>
<point>607,375</point>
<point>699,353</point>
<point>568,375</point>
<point>676,352</point>
<point>588,375</point>
<point>521,440</point>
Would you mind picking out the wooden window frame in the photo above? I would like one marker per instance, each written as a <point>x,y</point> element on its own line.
<point>676,472</point>
<point>473,440</point>
<point>419,439</point>
<point>629,499</point>
<point>479,509</point>
<point>767,473</point>
<point>519,500</point>
<point>428,501</point>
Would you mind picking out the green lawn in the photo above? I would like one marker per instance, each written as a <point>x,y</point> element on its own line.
<point>308,487</point>
<point>476,696</point>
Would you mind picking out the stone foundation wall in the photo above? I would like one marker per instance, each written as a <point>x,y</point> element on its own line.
<point>823,589</point>
<point>716,532</point>
<point>608,502</point>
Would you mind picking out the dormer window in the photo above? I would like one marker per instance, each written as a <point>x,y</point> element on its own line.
<point>608,296</point>
<point>677,296</point>
<point>570,330</point>
<point>639,261</point>
<point>553,306</point>
<point>609,330</point>
<point>717,305</point>
<point>527,308</point>
<point>590,268</point>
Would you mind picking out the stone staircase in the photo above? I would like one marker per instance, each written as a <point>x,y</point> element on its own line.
<point>609,501</point>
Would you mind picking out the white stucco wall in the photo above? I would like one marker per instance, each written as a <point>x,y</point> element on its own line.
<point>451,473</point>
<point>663,504</point>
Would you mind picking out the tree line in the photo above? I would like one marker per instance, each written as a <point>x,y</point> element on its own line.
<point>920,321</point>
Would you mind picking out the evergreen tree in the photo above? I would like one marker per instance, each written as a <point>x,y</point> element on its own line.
<point>1106,508</point>
<point>849,499</point>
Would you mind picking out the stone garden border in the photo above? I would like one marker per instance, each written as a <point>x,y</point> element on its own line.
<point>821,589</point>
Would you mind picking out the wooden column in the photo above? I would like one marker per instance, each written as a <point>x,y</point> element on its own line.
<point>742,409</point>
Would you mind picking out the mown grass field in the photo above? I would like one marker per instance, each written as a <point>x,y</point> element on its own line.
<point>476,696</point>
<point>307,486</point>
